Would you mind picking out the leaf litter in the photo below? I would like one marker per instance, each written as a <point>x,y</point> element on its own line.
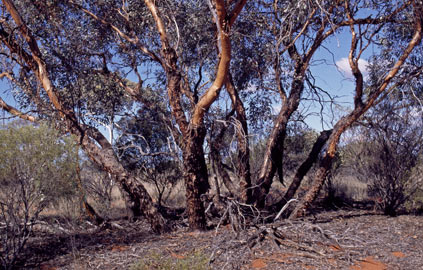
<point>340,239</point>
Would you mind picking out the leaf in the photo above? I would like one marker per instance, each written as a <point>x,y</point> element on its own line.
<point>117,248</point>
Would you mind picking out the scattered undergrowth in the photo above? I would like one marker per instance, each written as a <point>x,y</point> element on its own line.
<point>341,239</point>
<point>195,260</point>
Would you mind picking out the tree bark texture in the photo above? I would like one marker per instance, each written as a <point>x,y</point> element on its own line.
<point>325,164</point>
<point>306,165</point>
<point>193,130</point>
<point>360,108</point>
<point>304,168</point>
<point>241,129</point>
<point>103,155</point>
<point>274,151</point>
<point>139,196</point>
<point>196,178</point>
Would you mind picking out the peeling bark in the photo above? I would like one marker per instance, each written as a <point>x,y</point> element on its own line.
<point>241,130</point>
<point>274,150</point>
<point>196,178</point>
<point>106,159</point>
<point>193,130</point>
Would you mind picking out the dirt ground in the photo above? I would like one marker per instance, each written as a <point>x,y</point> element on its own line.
<point>330,240</point>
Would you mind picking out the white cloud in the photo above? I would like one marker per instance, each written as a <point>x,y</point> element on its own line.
<point>344,67</point>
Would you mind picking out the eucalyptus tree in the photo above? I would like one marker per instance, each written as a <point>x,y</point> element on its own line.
<point>72,60</point>
<point>78,63</point>
<point>397,65</point>
<point>297,29</point>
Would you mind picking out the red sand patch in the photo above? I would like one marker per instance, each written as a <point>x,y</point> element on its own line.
<point>117,248</point>
<point>369,263</point>
<point>398,254</point>
<point>258,264</point>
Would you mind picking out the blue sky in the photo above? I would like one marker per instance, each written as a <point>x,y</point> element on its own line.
<point>332,72</point>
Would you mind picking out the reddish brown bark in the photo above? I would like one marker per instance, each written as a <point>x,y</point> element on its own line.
<point>12,110</point>
<point>196,178</point>
<point>193,130</point>
<point>274,149</point>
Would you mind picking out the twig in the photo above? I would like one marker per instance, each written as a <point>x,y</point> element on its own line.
<point>284,208</point>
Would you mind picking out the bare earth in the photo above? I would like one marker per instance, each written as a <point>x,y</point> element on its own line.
<point>330,240</point>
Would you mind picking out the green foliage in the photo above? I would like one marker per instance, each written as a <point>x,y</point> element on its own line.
<point>386,154</point>
<point>37,168</point>
<point>40,156</point>
<point>196,260</point>
<point>297,145</point>
<point>415,204</point>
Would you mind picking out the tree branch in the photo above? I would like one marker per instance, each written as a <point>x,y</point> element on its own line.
<point>223,67</point>
<point>16,112</point>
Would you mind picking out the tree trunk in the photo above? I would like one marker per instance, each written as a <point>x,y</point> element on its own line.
<point>89,210</point>
<point>360,108</point>
<point>305,167</point>
<point>241,130</point>
<point>275,145</point>
<point>313,192</point>
<point>142,202</point>
<point>326,163</point>
<point>196,178</point>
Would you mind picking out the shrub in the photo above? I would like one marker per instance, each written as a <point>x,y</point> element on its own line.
<point>37,168</point>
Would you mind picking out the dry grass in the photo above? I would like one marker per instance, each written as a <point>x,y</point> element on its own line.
<point>350,188</point>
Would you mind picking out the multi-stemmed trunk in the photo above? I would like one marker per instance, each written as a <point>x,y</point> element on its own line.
<point>304,168</point>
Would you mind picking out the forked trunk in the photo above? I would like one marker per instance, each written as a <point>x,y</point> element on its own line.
<point>326,162</point>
